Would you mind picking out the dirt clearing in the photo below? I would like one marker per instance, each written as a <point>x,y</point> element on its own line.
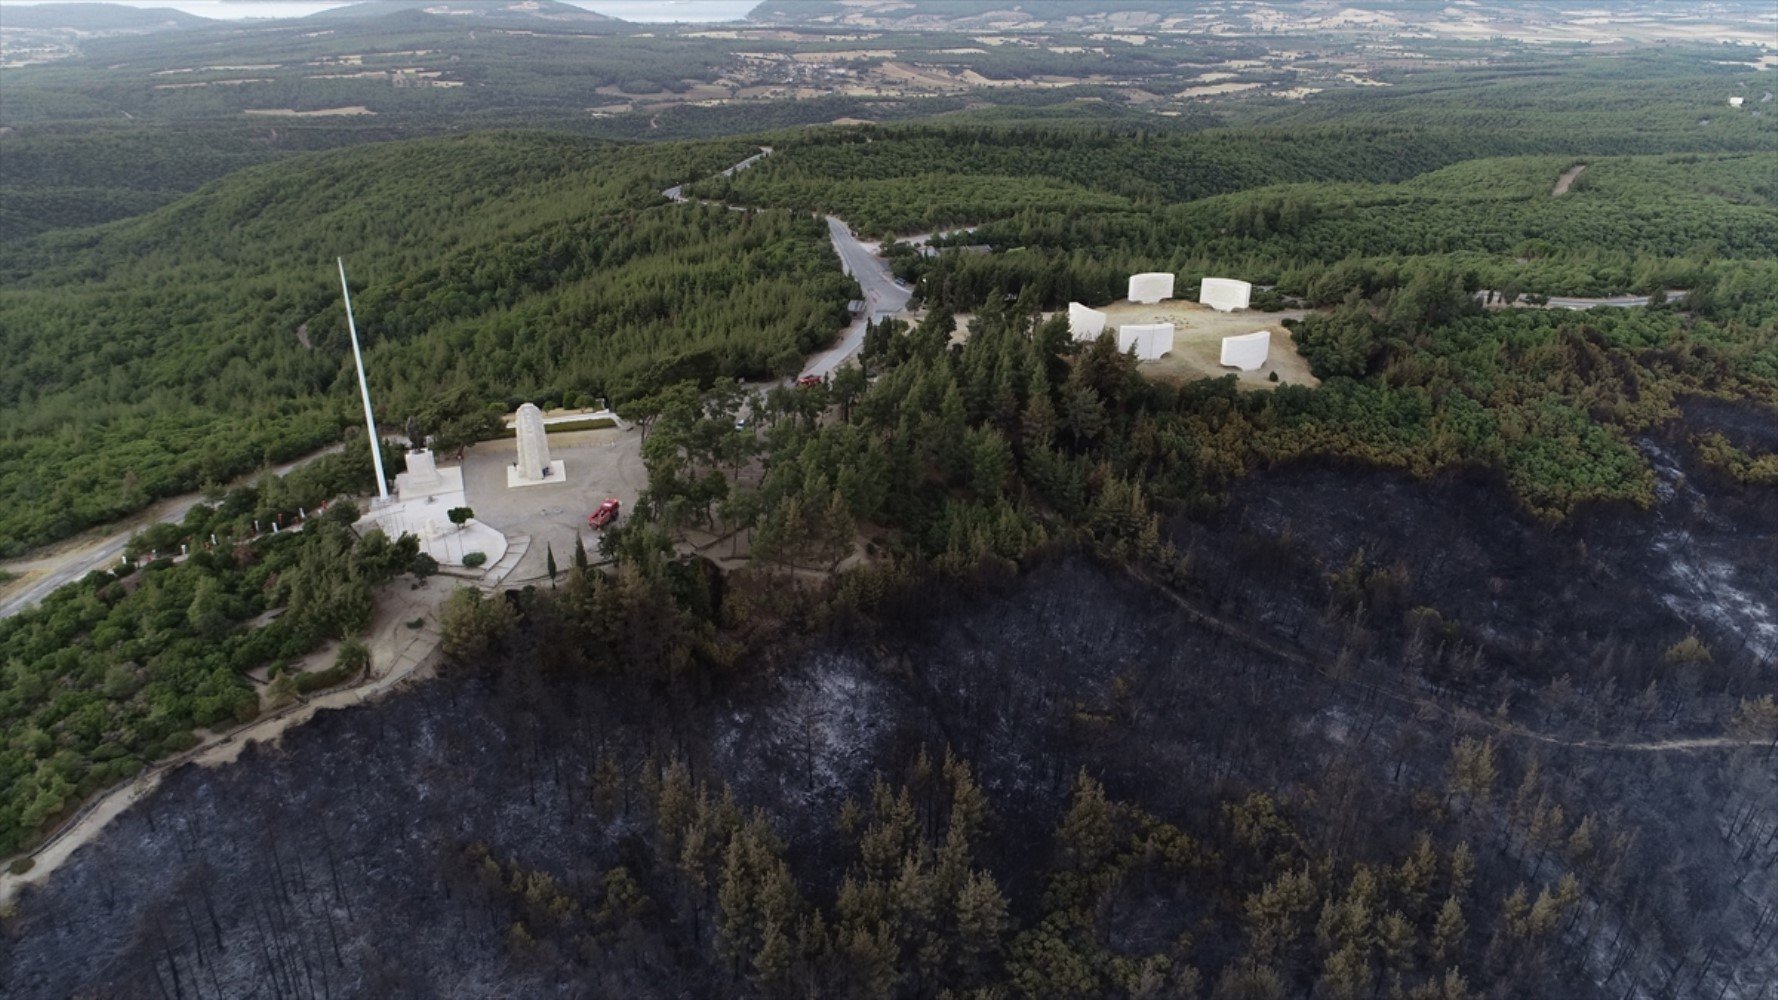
<point>1197,342</point>
<point>1567,179</point>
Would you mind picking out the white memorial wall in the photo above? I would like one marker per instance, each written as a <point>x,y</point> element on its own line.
<point>1225,294</point>
<point>1248,351</point>
<point>1084,323</point>
<point>1150,287</point>
<point>1150,340</point>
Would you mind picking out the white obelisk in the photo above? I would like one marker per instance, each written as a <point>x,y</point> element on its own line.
<point>370,420</point>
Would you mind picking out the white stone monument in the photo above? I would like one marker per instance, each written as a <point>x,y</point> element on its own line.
<point>1151,287</point>
<point>1084,323</point>
<point>1150,340</point>
<point>534,467</point>
<point>1225,294</point>
<point>1247,352</point>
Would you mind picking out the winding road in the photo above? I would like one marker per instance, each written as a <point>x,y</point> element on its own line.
<point>1575,302</point>
<point>884,294</point>
<point>68,561</point>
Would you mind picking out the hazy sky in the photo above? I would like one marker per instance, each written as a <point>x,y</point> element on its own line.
<point>629,10</point>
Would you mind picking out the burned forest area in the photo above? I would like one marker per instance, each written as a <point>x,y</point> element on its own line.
<point>1391,720</point>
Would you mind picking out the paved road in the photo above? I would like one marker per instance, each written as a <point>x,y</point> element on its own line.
<point>677,191</point>
<point>1620,301</point>
<point>71,561</point>
<point>1574,302</point>
<point>884,296</point>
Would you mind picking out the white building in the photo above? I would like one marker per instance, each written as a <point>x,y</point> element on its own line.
<point>1151,287</point>
<point>1248,351</point>
<point>1225,294</point>
<point>1735,102</point>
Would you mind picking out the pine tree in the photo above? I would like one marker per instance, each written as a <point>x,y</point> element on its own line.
<point>1396,940</point>
<point>1086,834</point>
<point>981,914</point>
<point>771,965</point>
<point>1415,876</point>
<point>1275,914</point>
<point>1448,933</point>
<point>1462,871</point>
<point>1347,974</point>
<point>1473,770</point>
<point>1583,841</point>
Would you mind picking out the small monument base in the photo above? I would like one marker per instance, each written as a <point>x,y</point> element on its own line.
<point>424,478</point>
<point>558,473</point>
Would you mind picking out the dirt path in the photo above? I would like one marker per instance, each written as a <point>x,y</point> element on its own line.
<point>397,653</point>
<point>1506,728</point>
<point>1563,182</point>
<point>1653,746</point>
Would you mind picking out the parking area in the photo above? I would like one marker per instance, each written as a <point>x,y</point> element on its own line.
<point>598,464</point>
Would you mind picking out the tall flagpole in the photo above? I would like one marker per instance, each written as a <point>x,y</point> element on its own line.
<point>370,420</point>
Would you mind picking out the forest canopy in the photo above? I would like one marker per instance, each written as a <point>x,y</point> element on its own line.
<point>207,339</point>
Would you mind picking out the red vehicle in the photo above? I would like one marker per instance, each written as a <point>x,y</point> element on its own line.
<point>606,514</point>
<point>808,380</point>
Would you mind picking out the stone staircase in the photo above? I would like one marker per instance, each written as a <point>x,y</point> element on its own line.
<point>516,547</point>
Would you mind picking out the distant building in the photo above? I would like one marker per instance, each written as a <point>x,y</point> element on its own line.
<point>1735,102</point>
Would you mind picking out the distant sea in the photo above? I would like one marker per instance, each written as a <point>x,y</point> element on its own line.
<point>645,11</point>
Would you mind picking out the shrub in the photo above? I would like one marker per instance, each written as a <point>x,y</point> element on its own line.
<point>460,515</point>
<point>1688,650</point>
<point>422,566</point>
<point>281,691</point>
<point>353,656</point>
<point>316,680</point>
<point>341,512</point>
<point>20,866</point>
<point>474,559</point>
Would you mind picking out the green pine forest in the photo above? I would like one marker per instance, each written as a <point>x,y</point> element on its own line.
<point>207,339</point>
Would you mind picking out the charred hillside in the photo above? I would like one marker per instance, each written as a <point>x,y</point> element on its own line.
<point>1065,781</point>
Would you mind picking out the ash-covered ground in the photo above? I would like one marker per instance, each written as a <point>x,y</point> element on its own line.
<point>334,865</point>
